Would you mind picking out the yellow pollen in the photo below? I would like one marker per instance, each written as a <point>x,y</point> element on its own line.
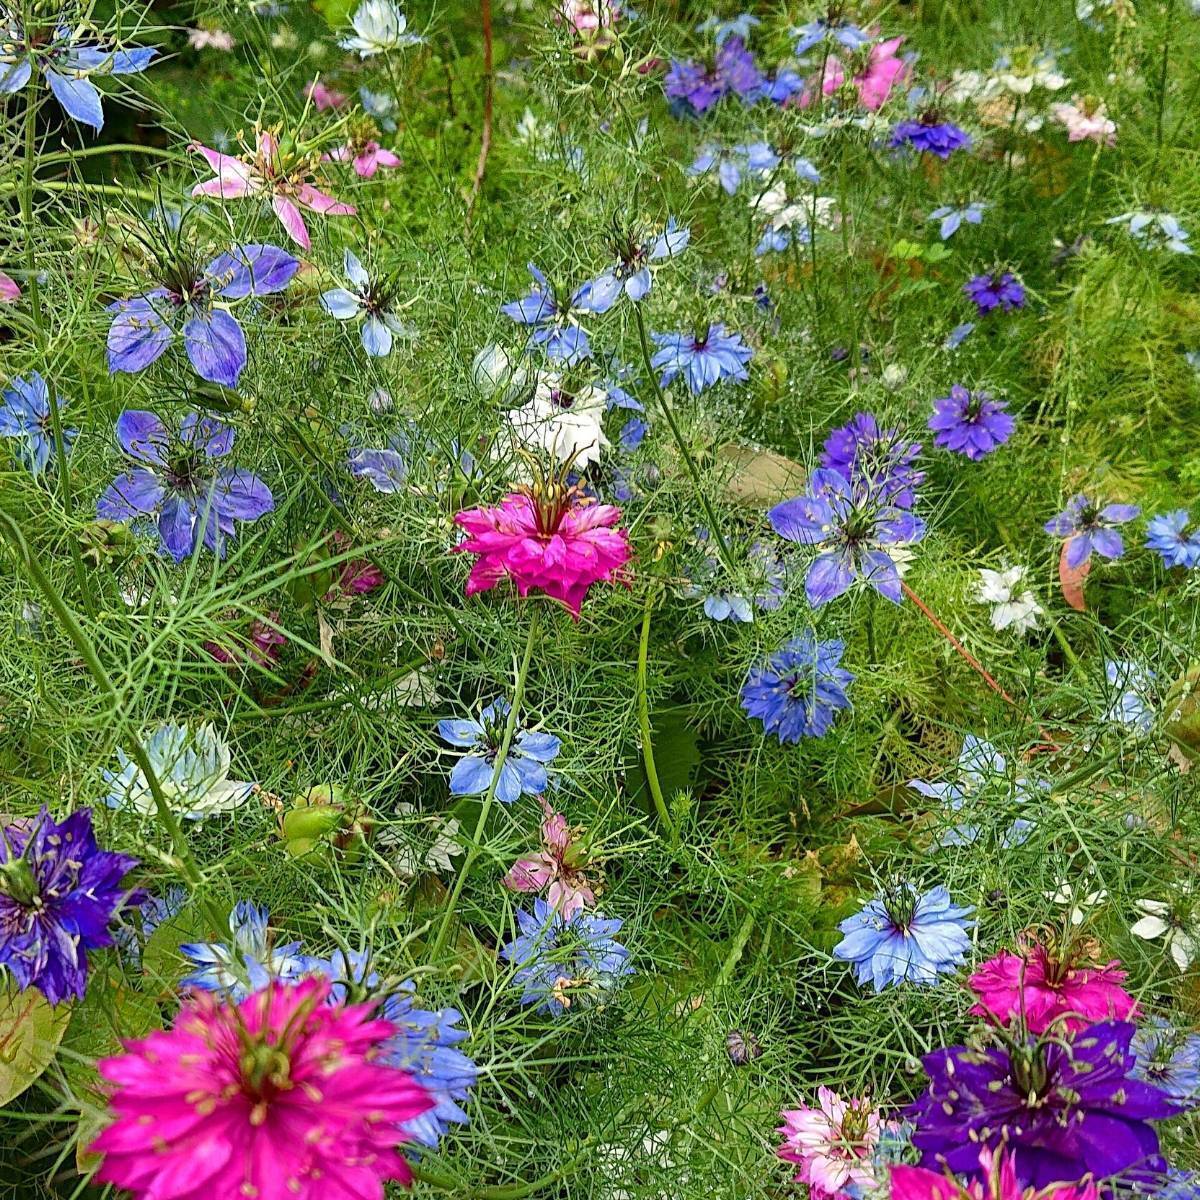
<point>258,1114</point>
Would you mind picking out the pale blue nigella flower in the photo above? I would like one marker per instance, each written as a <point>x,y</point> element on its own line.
<point>730,162</point>
<point>552,320</point>
<point>245,963</point>
<point>832,29</point>
<point>702,359</point>
<point>952,218</point>
<point>1169,1058</point>
<point>369,303</point>
<point>1154,230</point>
<point>1169,535</point>
<point>631,274</point>
<point>524,768</point>
<point>1131,688</point>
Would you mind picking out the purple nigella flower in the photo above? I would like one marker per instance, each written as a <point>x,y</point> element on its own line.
<point>564,961</point>
<point>25,416</point>
<point>145,326</point>
<point>1087,527</point>
<point>799,690</point>
<point>1065,1109</point>
<point>1168,535</point>
<point>180,483</point>
<point>690,85</point>
<point>1001,290</point>
<point>58,893</point>
<point>860,450</point>
<point>554,327</point>
<point>855,523</point>
<point>631,274</point>
<point>930,135</point>
<point>730,162</point>
<point>703,359</point>
<point>970,423</point>
<point>902,936</point>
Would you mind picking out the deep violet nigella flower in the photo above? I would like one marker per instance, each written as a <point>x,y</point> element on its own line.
<point>25,417</point>
<point>695,87</point>
<point>884,458</point>
<point>248,961</point>
<point>1087,526</point>
<point>703,359</point>
<point>58,893</point>
<point>566,961</point>
<point>855,524</point>
<point>970,423</point>
<point>1000,289</point>
<point>1064,1108</point>
<point>180,483</point>
<point>906,936</point>
<point>281,1094</point>
<point>370,303</point>
<point>799,690</point>
<point>929,134</point>
<point>1168,535</point>
<point>191,300</point>
<point>524,769</point>
<point>551,318</point>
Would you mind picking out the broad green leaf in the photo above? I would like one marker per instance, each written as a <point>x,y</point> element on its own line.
<point>336,13</point>
<point>30,1031</point>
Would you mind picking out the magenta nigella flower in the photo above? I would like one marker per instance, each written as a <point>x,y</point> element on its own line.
<point>703,359</point>
<point>1087,527</point>
<point>180,483</point>
<point>195,299</point>
<point>930,135</point>
<point>58,893</point>
<point>1064,1108</point>
<point>1001,290</point>
<point>884,458</point>
<point>855,523</point>
<point>970,423</point>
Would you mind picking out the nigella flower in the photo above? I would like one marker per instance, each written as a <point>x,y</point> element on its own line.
<point>551,319</point>
<point>563,961</point>
<point>1154,230</point>
<point>856,524</point>
<point>799,690</point>
<point>1013,605</point>
<point>952,218</point>
<point>958,335</point>
<point>1087,526</point>
<point>903,935</point>
<point>66,62</point>
<point>365,155</point>
<point>1169,536</point>
<point>180,483</point>
<point>833,1144</point>
<point>996,1179</point>
<point>139,922</point>
<point>697,86</point>
<point>192,767</point>
<point>831,29</point>
<point>25,417</point>
<point>884,458</point>
<point>929,134</point>
<point>558,865</point>
<point>1131,688</point>
<point>763,588</point>
<point>524,770</point>
<point>424,1047</point>
<point>58,893</point>
<point>563,421</point>
<point>970,423</point>
<point>1001,289</point>
<point>702,358</point>
<point>731,161</point>
<point>1169,1058</point>
<point>1064,1108</point>
<point>192,300</point>
<point>379,26</point>
<point>369,303</point>
<point>245,963</point>
<point>631,274</point>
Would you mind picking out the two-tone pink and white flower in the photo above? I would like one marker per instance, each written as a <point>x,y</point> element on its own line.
<point>832,1143</point>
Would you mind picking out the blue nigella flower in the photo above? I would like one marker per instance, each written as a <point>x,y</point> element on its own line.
<point>524,768</point>
<point>551,318</point>
<point>132,935</point>
<point>930,135</point>
<point>631,273</point>
<point>1001,289</point>
<point>1154,230</point>
<point>1131,689</point>
<point>1169,1058</point>
<point>66,63</point>
<point>831,29</point>
<point>25,417</point>
<point>248,961</point>
<point>730,162</point>
<point>1174,1184</point>
<point>958,335</point>
<point>566,961</point>
<point>799,690</point>
<point>762,589</point>
<point>904,936</point>
<point>952,219</point>
<point>883,458</point>
<point>723,28</point>
<point>380,107</point>
<point>1087,526</point>
<point>369,303</point>
<point>970,423</point>
<point>703,359</point>
<point>1168,534</point>
<point>194,299</point>
<point>692,88</point>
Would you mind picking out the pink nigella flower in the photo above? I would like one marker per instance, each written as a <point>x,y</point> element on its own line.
<point>549,539</point>
<point>210,39</point>
<point>832,1143</point>
<point>1086,120</point>
<point>10,290</point>
<point>281,1095</point>
<point>999,1182</point>
<point>873,84</point>
<point>367,157</point>
<point>260,645</point>
<point>268,176</point>
<point>558,864</point>
<point>1051,992</point>
<point>323,98</point>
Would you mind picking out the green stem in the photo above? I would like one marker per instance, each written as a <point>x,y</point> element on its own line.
<point>643,703</point>
<point>676,433</point>
<point>114,148</point>
<point>510,728</point>
<point>186,864</point>
<point>505,1191</point>
<point>83,185</point>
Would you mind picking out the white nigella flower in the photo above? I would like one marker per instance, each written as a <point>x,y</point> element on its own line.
<point>1022,73</point>
<point>1154,230</point>
<point>1076,900</point>
<point>1012,605</point>
<point>1158,920</point>
<point>192,766</point>
<point>567,423</point>
<point>379,26</point>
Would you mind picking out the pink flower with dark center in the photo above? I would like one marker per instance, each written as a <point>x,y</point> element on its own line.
<point>267,175</point>
<point>557,865</point>
<point>10,290</point>
<point>1050,991</point>
<point>999,1182</point>
<point>366,157</point>
<point>873,84</point>
<point>832,1143</point>
<point>281,1095</point>
<point>558,543</point>
<point>323,98</point>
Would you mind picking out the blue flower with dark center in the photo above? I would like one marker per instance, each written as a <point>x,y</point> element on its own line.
<point>693,88</point>
<point>248,961</point>
<point>1000,289</point>
<point>25,417</point>
<point>631,274</point>
<point>524,768</point>
<point>799,690</point>
<point>970,423</point>
<point>703,359</point>
<point>1169,1058</point>
<point>906,936</point>
<point>1088,526</point>
<point>929,134</point>
<point>551,317</point>
<point>1168,535</point>
<point>370,303</point>
<point>1130,690</point>
<point>884,458</point>
<point>832,29</point>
